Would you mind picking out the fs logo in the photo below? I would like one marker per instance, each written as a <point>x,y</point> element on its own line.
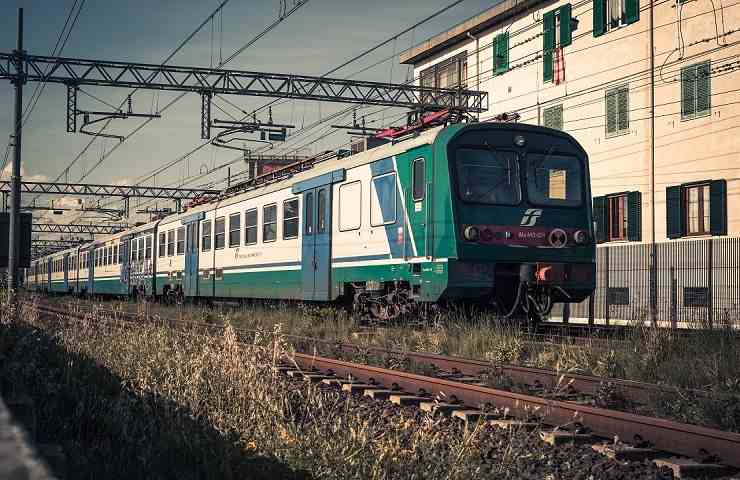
<point>529,219</point>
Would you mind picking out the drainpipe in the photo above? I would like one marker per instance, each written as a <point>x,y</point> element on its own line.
<point>477,63</point>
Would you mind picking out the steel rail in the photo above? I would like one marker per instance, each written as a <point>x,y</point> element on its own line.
<point>666,435</point>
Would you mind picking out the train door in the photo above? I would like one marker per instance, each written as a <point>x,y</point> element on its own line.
<point>316,245</point>
<point>125,260</point>
<point>190,282</point>
<point>65,268</point>
<point>415,181</point>
<point>91,271</point>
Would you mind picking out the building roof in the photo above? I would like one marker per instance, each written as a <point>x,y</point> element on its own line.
<point>478,23</point>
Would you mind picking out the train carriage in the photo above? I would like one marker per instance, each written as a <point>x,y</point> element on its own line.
<point>497,214</point>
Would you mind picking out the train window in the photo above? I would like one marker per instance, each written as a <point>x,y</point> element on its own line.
<point>309,213</point>
<point>250,226</point>
<point>269,223</point>
<point>290,218</point>
<point>488,176</point>
<point>235,229</point>
<point>220,237</point>
<point>205,244</point>
<point>181,240</point>
<point>170,243</point>
<point>110,255</point>
<point>418,182</point>
<point>321,211</point>
<point>115,254</point>
<point>162,245</point>
<point>148,250</point>
<point>383,200</point>
<point>554,180</point>
<point>350,206</point>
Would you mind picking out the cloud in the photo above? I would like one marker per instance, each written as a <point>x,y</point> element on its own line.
<point>7,171</point>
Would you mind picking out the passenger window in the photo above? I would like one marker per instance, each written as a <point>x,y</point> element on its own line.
<point>309,213</point>
<point>383,200</point>
<point>148,250</point>
<point>181,240</point>
<point>321,207</point>
<point>235,229</point>
<point>269,223</point>
<point>350,206</point>
<point>170,243</point>
<point>162,244</point>
<point>250,227</point>
<point>219,234</point>
<point>141,248</point>
<point>206,240</point>
<point>290,218</point>
<point>418,184</point>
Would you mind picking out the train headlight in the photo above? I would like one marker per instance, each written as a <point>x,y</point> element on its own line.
<point>520,141</point>
<point>580,237</point>
<point>471,233</point>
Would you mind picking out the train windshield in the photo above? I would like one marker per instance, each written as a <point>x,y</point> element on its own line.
<point>554,180</point>
<point>488,176</point>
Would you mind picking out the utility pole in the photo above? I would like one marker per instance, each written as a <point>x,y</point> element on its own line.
<point>15,178</point>
<point>653,247</point>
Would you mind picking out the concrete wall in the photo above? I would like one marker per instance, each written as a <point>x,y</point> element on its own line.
<point>704,148</point>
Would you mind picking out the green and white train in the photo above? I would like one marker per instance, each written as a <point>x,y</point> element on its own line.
<point>497,214</point>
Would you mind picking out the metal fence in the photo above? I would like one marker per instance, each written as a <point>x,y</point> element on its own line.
<point>693,284</point>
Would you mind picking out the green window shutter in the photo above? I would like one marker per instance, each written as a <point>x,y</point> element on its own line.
<point>718,207</point>
<point>600,218</point>
<point>634,216</point>
<point>501,53</point>
<point>548,45</point>
<point>675,218</point>
<point>599,17</point>
<point>688,87</point>
<point>703,89</point>
<point>565,33</point>
<point>611,112</point>
<point>623,113</point>
<point>631,11</point>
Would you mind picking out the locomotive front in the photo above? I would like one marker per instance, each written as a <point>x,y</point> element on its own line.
<point>521,216</point>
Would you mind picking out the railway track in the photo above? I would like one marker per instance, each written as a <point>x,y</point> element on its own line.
<point>561,401</point>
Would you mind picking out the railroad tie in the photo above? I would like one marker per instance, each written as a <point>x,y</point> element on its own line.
<point>688,468</point>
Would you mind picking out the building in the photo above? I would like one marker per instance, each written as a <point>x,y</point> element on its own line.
<point>652,92</point>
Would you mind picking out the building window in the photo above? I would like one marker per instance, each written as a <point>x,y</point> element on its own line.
<point>552,117</point>
<point>611,14</point>
<point>448,73</point>
<point>181,240</point>
<point>269,223</point>
<point>618,295</point>
<point>148,250</point>
<point>419,180</point>
<point>618,217</point>
<point>501,53</point>
<point>695,297</point>
<point>556,33</point>
<point>696,91</point>
<point>220,233</point>
<point>617,111</point>
<point>235,229</point>
<point>206,240</point>
<point>250,227</point>
<point>170,243</point>
<point>290,219</point>
<point>698,208</point>
<point>162,244</point>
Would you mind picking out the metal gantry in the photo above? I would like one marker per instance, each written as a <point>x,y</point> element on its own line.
<point>92,229</point>
<point>129,191</point>
<point>210,81</point>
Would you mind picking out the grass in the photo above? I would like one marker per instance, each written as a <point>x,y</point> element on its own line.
<point>708,362</point>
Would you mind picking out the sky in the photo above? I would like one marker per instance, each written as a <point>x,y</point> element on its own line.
<point>319,36</point>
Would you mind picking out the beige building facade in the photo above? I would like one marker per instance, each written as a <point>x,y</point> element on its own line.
<point>652,92</point>
<point>585,67</point>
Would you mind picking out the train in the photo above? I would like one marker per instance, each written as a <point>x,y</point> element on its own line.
<point>491,214</point>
